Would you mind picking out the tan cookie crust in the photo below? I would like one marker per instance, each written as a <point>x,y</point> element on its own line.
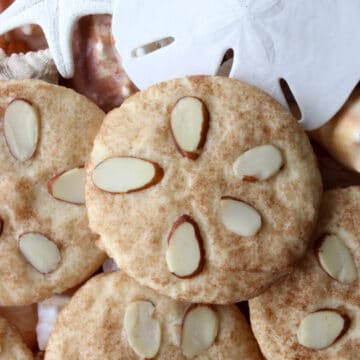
<point>276,314</point>
<point>91,326</point>
<point>134,227</point>
<point>12,345</point>
<point>68,124</point>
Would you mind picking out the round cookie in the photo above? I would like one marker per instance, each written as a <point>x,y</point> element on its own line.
<point>46,246</point>
<point>24,318</point>
<point>94,325</point>
<point>12,345</point>
<point>159,162</point>
<point>314,313</point>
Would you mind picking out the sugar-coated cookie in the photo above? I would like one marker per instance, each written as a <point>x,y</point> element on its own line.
<point>203,188</point>
<point>12,345</point>
<point>315,312</point>
<point>113,317</point>
<point>24,318</point>
<point>46,136</point>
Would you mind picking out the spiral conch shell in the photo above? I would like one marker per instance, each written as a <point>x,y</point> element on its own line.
<point>31,65</point>
<point>341,135</point>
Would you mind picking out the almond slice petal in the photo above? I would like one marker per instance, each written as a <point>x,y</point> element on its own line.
<point>185,253</point>
<point>189,125</point>
<point>336,260</point>
<point>258,163</point>
<point>122,175</point>
<point>39,251</point>
<point>322,328</point>
<point>21,129</point>
<point>200,328</point>
<point>69,186</point>
<point>143,331</point>
<point>239,217</point>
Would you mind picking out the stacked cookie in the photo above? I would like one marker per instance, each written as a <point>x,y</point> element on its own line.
<point>11,344</point>
<point>203,190</point>
<point>314,313</point>
<point>116,318</point>
<point>46,245</point>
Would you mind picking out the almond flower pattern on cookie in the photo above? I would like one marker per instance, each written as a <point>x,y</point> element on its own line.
<point>189,124</point>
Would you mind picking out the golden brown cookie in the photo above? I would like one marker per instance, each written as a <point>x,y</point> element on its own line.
<point>12,345</point>
<point>314,313</point>
<point>203,188</point>
<point>24,318</point>
<point>111,317</point>
<point>46,135</point>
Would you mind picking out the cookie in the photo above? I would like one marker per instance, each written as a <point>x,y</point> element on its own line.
<point>113,317</point>
<point>314,313</point>
<point>24,318</point>
<point>203,188</point>
<point>46,246</point>
<point>11,344</point>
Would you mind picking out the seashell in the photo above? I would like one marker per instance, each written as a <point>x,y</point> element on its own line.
<point>341,135</point>
<point>48,311</point>
<point>57,19</point>
<point>31,65</point>
<point>104,81</point>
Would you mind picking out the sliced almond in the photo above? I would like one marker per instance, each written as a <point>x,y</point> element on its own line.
<point>185,252</point>
<point>199,330</point>
<point>143,331</point>
<point>239,217</point>
<point>121,175</point>
<point>189,125</point>
<point>21,129</point>
<point>39,251</point>
<point>322,328</point>
<point>259,163</point>
<point>69,186</point>
<point>336,260</point>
